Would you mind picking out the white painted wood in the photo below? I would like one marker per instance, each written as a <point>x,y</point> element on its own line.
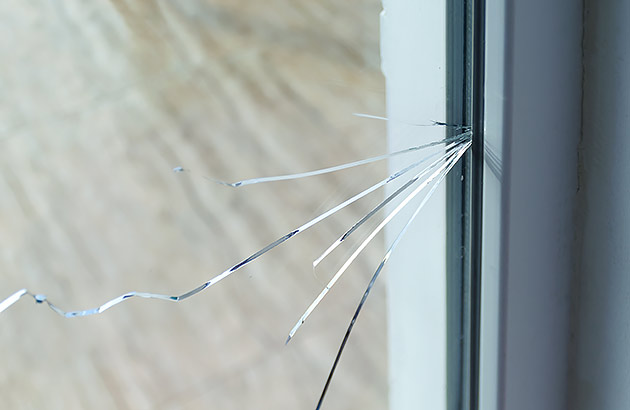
<point>413,48</point>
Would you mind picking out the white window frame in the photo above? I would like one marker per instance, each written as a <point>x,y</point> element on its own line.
<point>532,116</point>
<point>532,129</point>
<point>413,51</point>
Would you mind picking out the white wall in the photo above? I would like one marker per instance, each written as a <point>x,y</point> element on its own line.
<point>601,373</point>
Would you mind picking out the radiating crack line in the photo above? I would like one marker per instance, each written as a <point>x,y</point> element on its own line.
<point>336,167</point>
<point>375,276</point>
<point>40,298</point>
<point>387,219</point>
<point>431,124</point>
<point>449,151</point>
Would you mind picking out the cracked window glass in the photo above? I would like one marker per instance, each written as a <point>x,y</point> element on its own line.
<point>193,196</point>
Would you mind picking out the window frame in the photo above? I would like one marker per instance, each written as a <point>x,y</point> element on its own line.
<point>532,128</point>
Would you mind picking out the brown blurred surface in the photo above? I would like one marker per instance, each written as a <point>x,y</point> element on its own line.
<point>99,101</point>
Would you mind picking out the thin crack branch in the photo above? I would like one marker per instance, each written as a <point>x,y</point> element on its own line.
<point>356,253</point>
<point>40,298</point>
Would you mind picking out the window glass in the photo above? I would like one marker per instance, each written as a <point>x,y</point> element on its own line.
<point>101,102</point>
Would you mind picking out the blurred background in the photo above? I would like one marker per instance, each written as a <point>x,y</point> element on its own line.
<point>99,101</point>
